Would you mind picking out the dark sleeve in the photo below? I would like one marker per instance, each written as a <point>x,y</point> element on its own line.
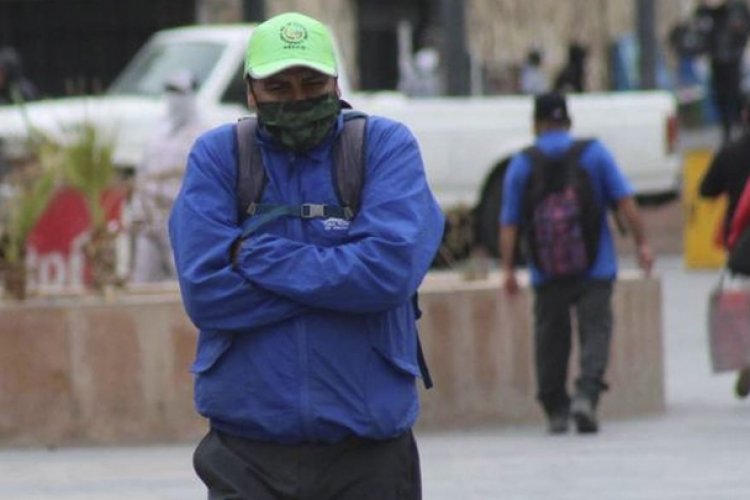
<point>714,182</point>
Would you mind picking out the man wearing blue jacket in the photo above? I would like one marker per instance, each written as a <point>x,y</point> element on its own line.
<point>588,291</point>
<point>307,360</point>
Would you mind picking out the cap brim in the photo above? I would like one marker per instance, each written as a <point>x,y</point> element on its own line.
<point>266,70</point>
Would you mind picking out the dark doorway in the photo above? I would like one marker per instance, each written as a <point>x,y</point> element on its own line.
<point>377,43</point>
<point>79,46</point>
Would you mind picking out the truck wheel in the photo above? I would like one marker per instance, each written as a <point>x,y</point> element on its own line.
<point>488,214</point>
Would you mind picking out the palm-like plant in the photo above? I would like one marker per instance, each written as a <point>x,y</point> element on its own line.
<point>29,199</point>
<point>31,190</point>
<point>86,163</point>
<point>85,160</point>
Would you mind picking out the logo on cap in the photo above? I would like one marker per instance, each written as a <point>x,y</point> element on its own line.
<point>293,34</point>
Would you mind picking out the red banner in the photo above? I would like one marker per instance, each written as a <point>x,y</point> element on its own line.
<point>55,246</point>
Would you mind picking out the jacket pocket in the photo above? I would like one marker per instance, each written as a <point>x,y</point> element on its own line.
<point>211,346</point>
<point>392,399</point>
<point>394,337</point>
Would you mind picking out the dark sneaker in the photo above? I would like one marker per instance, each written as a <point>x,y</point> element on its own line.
<point>584,416</point>
<point>742,387</point>
<point>558,423</point>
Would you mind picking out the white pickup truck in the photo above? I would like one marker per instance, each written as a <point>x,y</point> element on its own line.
<point>466,141</point>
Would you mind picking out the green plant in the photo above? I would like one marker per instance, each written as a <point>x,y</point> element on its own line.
<point>81,157</point>
<point>31,191</point>
<point>86,163</point>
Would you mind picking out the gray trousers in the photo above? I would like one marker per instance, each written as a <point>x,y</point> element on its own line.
<point>591,300</point>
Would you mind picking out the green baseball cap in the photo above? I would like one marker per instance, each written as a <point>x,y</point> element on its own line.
<point>289,40</point>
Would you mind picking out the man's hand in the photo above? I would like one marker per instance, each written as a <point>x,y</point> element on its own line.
<point>629,209</point>
<point>510,283</point>
<point>508,236</point>
<point>645,258</point>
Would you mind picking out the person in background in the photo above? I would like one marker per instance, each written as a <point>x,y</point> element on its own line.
<point>533,80</point>
<point>687,45</point>
<point>572,77</point>
<point>158,180</point>
<point>14,86</point>
<point>739,225</point>
<point>589,293</point>
<point>307,356</point>
<point>729,171</point>
<point>420,76</point>
<point>725,26</point>
<point>728,175</point>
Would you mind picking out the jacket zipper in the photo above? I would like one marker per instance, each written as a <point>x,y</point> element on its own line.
<point>305,405</point>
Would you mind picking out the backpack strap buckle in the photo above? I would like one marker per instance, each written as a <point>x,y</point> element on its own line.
<point>312,210</point>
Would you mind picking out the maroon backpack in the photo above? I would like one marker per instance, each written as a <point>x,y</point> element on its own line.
<point>561,219</point>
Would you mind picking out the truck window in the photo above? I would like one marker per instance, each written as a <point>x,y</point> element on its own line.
<point>235,92</point>
<point>157,62</point>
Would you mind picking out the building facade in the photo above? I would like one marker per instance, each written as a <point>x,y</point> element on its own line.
<point>498,32</point>
<point>51,35</point>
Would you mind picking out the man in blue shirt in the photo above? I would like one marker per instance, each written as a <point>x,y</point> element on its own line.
<point>307,354</point>
<point>590,292</point>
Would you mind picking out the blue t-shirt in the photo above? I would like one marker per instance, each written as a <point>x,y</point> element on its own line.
<point>609,183</point>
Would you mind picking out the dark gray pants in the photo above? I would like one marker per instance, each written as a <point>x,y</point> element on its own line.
<point>592,302</point>
<point>234,468</point>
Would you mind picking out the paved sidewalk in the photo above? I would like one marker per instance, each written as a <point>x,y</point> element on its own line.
<point>698,450</point>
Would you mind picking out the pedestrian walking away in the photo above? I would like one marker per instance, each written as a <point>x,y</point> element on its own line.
<point>572,76</point>
<point>724,26</point>
<point>533,80</point>
<point>555,196</point>
<point>302,287</point>
<point>15,87</point>
<point>728,174</point>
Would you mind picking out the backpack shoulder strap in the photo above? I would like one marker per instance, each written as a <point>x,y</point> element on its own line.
<point>349,166</point>
<point>348,170</point>
<point>535,155</point>
<point>578,147</point>
<point>251,175</point>
<point>349,161</point>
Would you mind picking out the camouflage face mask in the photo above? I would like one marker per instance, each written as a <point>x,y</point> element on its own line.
<point>300,125</point>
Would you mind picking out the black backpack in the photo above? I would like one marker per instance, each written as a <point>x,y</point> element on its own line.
<point>561,219</point>
<point>348,174</point>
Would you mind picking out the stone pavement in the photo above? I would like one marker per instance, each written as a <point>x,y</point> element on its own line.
<point>698,450</point>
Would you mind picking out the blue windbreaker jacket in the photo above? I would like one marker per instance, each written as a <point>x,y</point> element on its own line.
<point>311,335</point>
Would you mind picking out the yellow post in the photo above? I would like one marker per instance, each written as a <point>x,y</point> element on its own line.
<point>703,217</point>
